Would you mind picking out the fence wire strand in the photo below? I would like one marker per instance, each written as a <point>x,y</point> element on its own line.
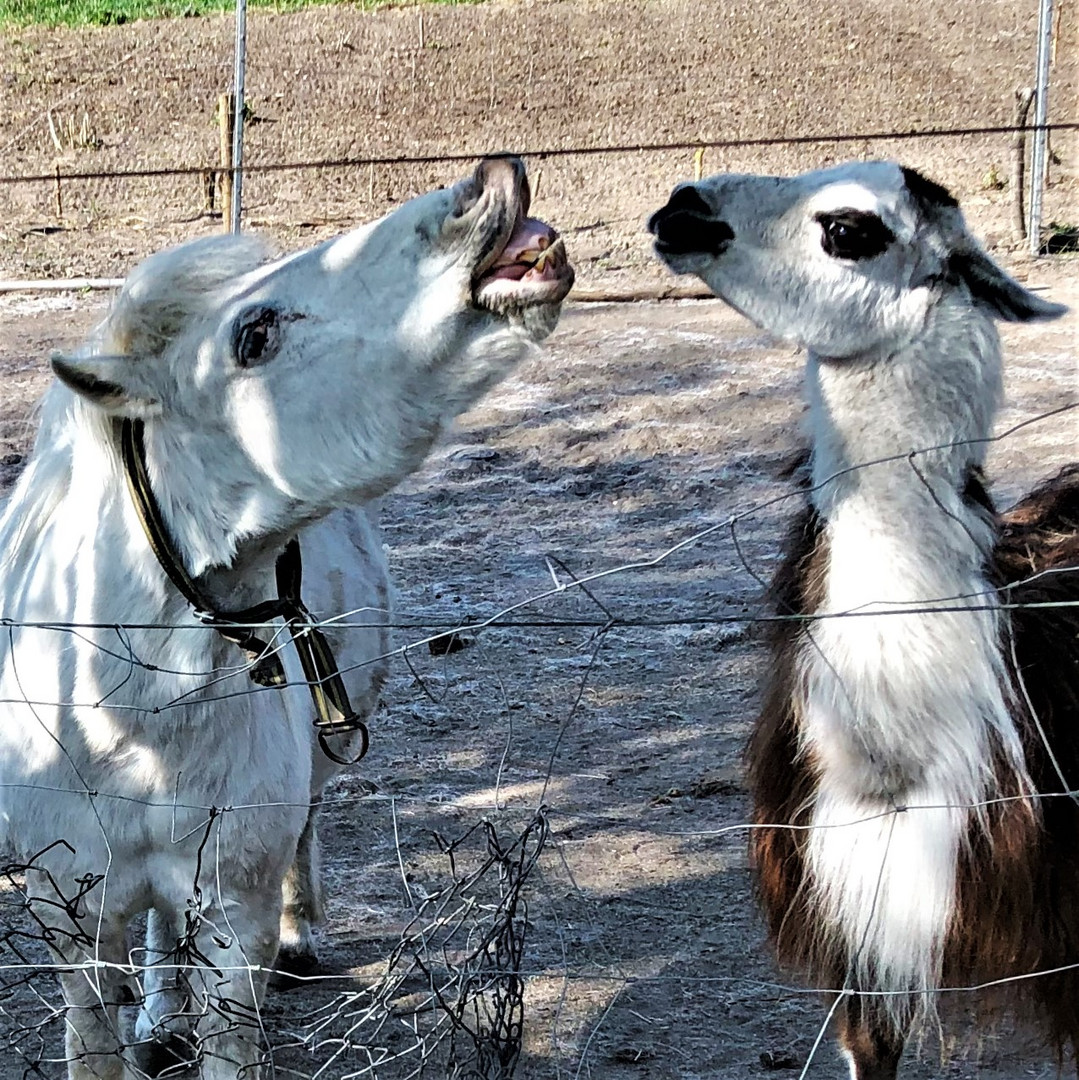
<point>548,153</point>
<point>450,999</point>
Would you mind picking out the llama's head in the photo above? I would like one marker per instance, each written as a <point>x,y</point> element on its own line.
<point>846,261</point>
<point>322,378</point>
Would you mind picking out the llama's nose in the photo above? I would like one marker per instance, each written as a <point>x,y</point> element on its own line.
<point>687,225</point>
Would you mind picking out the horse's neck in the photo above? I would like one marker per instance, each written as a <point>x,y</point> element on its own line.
<point>74,499</point>
<point>227,529</point>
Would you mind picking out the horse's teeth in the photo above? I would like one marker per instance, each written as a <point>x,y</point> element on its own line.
<point>556,249</point>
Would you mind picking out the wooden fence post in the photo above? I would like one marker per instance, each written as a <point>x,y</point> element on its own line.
<point>1023,98</point>
<point>225,105</point>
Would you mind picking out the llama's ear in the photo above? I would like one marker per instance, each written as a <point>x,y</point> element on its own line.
<point>113,383</point>
<point>996,290</point>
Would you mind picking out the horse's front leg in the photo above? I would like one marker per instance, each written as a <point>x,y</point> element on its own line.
<point>163,1030</point>
<point>301,909</point>
<point>213,1009</point>
<point>91,947</point>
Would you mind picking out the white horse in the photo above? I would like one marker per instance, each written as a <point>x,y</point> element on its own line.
<point>901,846</point>
<point>140,767</point>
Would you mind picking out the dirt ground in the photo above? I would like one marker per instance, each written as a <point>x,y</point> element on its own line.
<point>642,426</point>
<point>529,76</point>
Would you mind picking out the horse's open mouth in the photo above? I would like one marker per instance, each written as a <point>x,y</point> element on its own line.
<point>530,266</point>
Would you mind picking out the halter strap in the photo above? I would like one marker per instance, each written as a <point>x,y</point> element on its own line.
<point>333,711</point>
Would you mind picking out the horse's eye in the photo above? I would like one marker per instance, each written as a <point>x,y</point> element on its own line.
<point>853,234</point>
<point>258,336</point>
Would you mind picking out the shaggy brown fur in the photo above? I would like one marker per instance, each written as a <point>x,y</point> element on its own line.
<point>1017,904</point>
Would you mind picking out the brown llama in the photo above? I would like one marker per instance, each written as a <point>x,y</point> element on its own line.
<point>911,766</point>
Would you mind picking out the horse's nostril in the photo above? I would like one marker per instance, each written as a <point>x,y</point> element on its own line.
<point>506,171</point>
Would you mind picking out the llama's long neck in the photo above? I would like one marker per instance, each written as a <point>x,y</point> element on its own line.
<point>895,439</point>
<point>904,703</point>
<point>883,425</point>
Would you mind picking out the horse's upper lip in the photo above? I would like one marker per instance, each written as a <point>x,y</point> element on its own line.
<point>527,263</point>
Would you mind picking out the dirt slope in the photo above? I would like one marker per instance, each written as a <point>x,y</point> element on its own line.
<point>532,75</point>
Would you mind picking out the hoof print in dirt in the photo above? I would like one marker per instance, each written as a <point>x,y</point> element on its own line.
<point>445,644</point>
<point>475,459</point>
<point>718,783</point>
<point>632,1055</point>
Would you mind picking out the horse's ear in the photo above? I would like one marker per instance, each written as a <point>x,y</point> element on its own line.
<point>992,288</point>
<point>114,383</point>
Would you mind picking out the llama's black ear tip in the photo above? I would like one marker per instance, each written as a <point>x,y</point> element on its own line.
<point>1054,310</point>
<point>928,192</point>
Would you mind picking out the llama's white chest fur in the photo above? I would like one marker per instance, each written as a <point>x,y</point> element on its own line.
<point>901,703</point>
<point>904,705</point>
<point>899,692</point>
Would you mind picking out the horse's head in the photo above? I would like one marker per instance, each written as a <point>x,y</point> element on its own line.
<point>322,378</point>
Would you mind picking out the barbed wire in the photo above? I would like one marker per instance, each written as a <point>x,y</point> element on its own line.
<point>545,153</point>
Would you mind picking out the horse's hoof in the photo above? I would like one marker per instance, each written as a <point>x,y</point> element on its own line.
<point>293,967</point>
<point>170,1058</point>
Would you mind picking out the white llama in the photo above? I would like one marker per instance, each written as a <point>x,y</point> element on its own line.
<point>890,732</point>
<point>140,768</point>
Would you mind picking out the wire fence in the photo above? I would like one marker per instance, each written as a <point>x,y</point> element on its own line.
<point>58,178</point>
<point>450,996</point>
<point>468,962</point>
<point>543,153</point>
<point>540,871</point>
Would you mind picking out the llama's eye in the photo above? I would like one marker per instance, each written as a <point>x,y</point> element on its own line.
<point>853,234</point>
<point>258,335</point>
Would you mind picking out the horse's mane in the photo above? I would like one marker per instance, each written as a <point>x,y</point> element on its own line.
<point>159,298</point>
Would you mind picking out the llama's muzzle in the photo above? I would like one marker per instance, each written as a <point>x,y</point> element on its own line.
<point>687,225</point>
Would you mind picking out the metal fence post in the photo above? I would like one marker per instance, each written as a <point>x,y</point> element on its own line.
<point>1039,144</point>
<point>238,113</point>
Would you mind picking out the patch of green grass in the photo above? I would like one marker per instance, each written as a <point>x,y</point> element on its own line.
<point>115,12</point>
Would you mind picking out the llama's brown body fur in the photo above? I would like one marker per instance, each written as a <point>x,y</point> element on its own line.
<point>1017,903</point>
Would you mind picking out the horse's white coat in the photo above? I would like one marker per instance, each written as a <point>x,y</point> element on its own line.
<point>135,754</point>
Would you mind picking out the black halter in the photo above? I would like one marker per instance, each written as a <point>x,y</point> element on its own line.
<point>334,714</point>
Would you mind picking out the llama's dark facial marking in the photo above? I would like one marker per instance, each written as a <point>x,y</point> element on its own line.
<point>854,234</point>
<point>687,199</point>
<point>927,193</point>
<point>686,226</point>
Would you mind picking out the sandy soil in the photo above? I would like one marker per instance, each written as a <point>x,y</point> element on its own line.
<point>525,76</point>
<point>643,426</point>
